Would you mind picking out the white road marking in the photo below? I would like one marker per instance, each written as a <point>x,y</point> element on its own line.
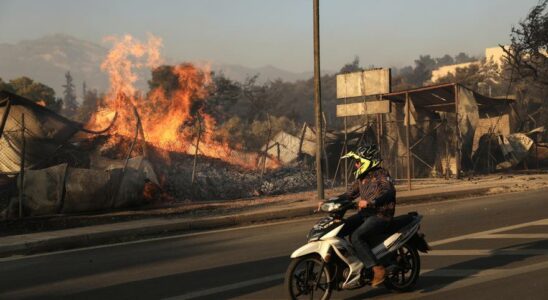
<point>513,236</point>
<point>487,232</point>
<point>481,279</point>
<point>484,252</point>
<point>227,287</point>
<point>460,272</point>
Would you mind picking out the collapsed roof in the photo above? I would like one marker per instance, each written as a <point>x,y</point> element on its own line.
<point>45,133</point>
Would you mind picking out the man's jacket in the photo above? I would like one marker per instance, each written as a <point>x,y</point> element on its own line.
<point>377,188</point>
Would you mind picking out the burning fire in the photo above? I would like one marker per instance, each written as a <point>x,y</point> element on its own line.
<point>175,122</point>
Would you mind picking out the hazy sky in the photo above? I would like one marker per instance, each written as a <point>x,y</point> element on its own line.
<point>277,32</point>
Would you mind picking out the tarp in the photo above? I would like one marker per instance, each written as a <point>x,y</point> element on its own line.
<point>61,189</point>
<point>468,113</point>
<point>45,133</point>
<point>44,190</point>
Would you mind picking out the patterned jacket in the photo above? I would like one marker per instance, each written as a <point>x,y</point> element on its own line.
<point>377,188</point>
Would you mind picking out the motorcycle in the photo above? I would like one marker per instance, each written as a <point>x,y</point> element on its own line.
<point>328,261</point>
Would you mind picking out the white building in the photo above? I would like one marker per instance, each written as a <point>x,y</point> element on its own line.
<point>495,54</point>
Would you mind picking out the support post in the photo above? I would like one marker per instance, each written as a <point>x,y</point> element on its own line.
<point>407,125</point>
<point>196,151</point>
<point>457,133</point>
<point>536,151</point>
<point>317,101</point>
<point>265,154</point>
<point>303,131</point>
<point>447,157</point>
<point>141,132</point>
<point>22,167</point>
<point>345,149</point>
<point>137,126</point>
<point>326,160</point>
<point>5,117</point>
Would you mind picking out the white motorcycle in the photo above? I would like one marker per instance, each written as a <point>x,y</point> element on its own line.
<point>328,261</point>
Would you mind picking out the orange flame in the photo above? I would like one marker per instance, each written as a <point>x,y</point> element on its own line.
<point>169,121</point>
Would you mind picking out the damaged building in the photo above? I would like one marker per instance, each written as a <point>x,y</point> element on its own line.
<point>443,130</point>
<point>44,170</point>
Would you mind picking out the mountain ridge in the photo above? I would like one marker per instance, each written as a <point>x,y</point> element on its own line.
<point>46,59</point>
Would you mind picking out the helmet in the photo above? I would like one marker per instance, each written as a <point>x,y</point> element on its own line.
<point>367,156</point>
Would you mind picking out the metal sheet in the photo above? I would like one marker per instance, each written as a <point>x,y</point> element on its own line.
<point>364,83</point>
<point>364,108</point>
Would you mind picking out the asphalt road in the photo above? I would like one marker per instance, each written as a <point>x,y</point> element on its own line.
<point>492,247</point>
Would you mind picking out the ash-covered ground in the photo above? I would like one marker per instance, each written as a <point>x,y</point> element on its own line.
<point>215,179</point>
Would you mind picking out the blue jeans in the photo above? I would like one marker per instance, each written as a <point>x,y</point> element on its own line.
<point>372,225</point>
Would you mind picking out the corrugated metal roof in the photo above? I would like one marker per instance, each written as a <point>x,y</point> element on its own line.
<point>441,97</point>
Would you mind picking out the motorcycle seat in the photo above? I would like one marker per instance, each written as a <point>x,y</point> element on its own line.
<point>399,222</point>
<point>396,224</point>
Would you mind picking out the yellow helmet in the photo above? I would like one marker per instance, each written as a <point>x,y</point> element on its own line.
<point>367,156</point>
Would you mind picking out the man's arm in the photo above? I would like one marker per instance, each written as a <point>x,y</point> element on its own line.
<point>352,192</point>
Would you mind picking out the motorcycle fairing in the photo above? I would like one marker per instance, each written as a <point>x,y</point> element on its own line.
<point>397,239</point>
<point>319,247</point>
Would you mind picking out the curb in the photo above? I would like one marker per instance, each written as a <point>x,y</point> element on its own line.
<point>172,226</point>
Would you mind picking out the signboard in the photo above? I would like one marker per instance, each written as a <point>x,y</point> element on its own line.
<point>363,108</point>
<point>363,83</point>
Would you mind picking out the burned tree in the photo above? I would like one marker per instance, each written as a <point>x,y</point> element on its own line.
<point>527,54</point>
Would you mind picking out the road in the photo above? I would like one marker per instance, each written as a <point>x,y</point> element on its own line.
<point>248,262</point>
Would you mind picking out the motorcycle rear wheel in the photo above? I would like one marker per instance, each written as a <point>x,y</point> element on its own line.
<point>405,279</point>
<point>301,278</point>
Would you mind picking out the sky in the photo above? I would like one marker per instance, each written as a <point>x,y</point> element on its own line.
<point>256,33</point>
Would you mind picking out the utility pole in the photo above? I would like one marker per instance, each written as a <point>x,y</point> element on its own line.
<point>318,101</point>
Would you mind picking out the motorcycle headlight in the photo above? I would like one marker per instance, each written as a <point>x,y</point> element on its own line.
<point>330,206</point>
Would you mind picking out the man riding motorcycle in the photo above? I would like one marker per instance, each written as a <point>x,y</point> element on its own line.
<point>376,206</point>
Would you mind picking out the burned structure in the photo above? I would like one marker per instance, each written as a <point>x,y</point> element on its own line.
<point>52,165</point>
<point>45,169</point>
<point>443,130</point>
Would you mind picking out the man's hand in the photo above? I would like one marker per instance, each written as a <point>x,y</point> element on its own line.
<point>319,206</point>
<point>362,204</point>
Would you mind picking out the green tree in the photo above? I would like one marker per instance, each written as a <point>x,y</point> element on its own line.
<point>4,86</point>
<point>260,99</point>
<point>463,58</point>
<point>164,78</point>
<point>233,132</point>
<point>70,105</point>
<point>444,60</point>
<point>224,94</point>
<point>36,91</point>
<point>423,69</point>
<point>89,105</point>
<point>354,66</point>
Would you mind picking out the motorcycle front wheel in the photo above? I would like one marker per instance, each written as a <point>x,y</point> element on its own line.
<point>308,277</point>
